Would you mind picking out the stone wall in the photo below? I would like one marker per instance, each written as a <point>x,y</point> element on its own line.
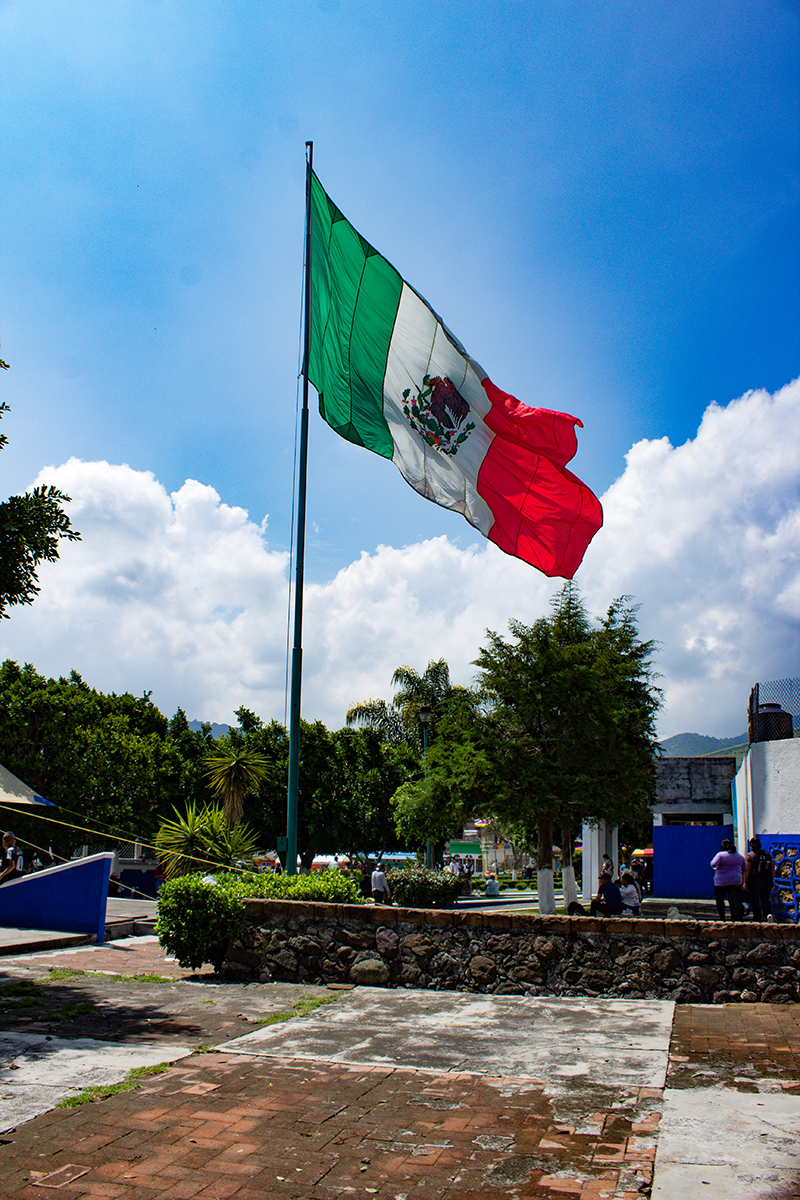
<point>514,954</point>
<point>694,785</point>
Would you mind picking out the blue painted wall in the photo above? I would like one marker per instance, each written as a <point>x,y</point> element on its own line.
<point>681,854</point>
<point>785,850</point>
<point>70,898</point>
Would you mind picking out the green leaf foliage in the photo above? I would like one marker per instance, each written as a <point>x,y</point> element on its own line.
<point>201,839</point>
<point>330,887</point>
<point>196,920</point>
<point>106,760</point>
<point>31,527</point>
<point>232,773</point>
<point>418,887</point>
<point>570,728</point>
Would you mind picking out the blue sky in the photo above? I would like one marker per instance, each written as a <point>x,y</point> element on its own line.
<point>601,201</point>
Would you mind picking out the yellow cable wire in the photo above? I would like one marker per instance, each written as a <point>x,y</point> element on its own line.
<point>127,838</point>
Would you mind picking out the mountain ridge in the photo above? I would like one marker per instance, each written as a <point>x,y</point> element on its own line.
<point>697,745</point>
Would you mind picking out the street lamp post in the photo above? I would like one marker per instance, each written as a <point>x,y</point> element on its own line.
<point>425,721</point>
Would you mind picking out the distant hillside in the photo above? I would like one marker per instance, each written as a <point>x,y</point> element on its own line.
<point>216,730</point>
<point>695,745</point>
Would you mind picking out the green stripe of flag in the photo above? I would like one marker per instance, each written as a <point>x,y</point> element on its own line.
<point>355,293</point>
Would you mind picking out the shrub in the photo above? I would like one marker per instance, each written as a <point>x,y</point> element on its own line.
<point>201,840</point>
<point>420,888</point>
<point>329,887</point>
<point>196,920</point>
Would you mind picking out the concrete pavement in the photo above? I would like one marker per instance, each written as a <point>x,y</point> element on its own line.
<point>400,1094</point>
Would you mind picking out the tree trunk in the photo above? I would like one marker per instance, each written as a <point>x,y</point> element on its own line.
<point>544,869</point>
<point>567,869</point>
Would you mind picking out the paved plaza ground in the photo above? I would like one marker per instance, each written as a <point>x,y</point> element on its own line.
<point>312,1092</point>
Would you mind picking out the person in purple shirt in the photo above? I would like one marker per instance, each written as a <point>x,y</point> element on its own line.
<point>729,868</point>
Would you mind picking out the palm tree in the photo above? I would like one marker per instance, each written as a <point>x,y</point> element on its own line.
<point>380,716</point>
<point>231,774</point>
<point>399,721</point>
<point>202,840</point>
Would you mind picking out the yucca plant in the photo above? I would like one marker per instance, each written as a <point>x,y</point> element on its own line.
<point>201,840</point>
<point>231,775</point>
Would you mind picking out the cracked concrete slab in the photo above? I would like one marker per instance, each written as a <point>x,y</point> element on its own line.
<point>615,1043</point>
<point>720,1143</point>
<point>37,1071</point>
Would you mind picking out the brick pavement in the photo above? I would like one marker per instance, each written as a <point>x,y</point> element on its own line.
<point>128,956</point>
<point>220,1125</point>
<point>739,1044</point>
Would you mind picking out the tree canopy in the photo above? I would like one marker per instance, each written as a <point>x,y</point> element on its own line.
<point>31,527</point>
<point>571,731</point>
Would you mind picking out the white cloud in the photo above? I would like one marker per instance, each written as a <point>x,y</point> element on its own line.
<point>180,594</point>
<point>707,537</point>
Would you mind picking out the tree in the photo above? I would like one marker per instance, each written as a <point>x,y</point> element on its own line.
<point>572,729</point>
<point>398,721</point>
<point>346,780</point>
<point>233,771</point>
<point>459,779</point>
<point>398,724</point>
<point>31,527</point>
<point>105,759</point>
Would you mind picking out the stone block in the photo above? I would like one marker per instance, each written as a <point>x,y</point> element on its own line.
<point>583,925</point>
<point>443,918</point>
<point>471,920</point>
<point>370,972</point>
<point>379,914</point>
<point>419,945</point>
<point>690,929</point>
<point>482,969</point>
<point>386,940</point>
<point>496,921</point>
<point>525,922</point>
<point>253,910</point>
<point>654,926</point>
<point>409,916</point>
<point>552,924</point>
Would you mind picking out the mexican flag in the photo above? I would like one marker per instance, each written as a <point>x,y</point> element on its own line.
<point>392,377</point>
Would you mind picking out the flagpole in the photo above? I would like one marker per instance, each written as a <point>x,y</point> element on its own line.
<point>297,649</point>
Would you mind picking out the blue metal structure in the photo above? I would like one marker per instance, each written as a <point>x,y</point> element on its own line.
<point>69,898</point>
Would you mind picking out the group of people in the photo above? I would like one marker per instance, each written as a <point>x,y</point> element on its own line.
<point>736,876</point>
<point>465,870</point>
<point>616,897</point>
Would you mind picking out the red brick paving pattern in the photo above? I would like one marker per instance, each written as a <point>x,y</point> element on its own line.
<point>222,1125</point>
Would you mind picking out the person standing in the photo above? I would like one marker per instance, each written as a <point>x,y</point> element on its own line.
<point>729,867</point>
<point>759,879</point>
<point>381,892</point>
<point>12,860</point>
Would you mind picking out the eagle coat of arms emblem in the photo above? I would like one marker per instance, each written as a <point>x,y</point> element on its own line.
<point>438,414</point>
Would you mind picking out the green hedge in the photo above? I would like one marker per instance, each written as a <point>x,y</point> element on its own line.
<point>196,920</point>
<point>421,888</point>
<point>331,887</point>
<point>199,914</point>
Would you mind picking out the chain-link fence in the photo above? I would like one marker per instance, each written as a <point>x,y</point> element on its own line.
<point>784,692</point>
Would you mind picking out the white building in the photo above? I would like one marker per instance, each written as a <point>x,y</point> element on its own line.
<point>767,791</point>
